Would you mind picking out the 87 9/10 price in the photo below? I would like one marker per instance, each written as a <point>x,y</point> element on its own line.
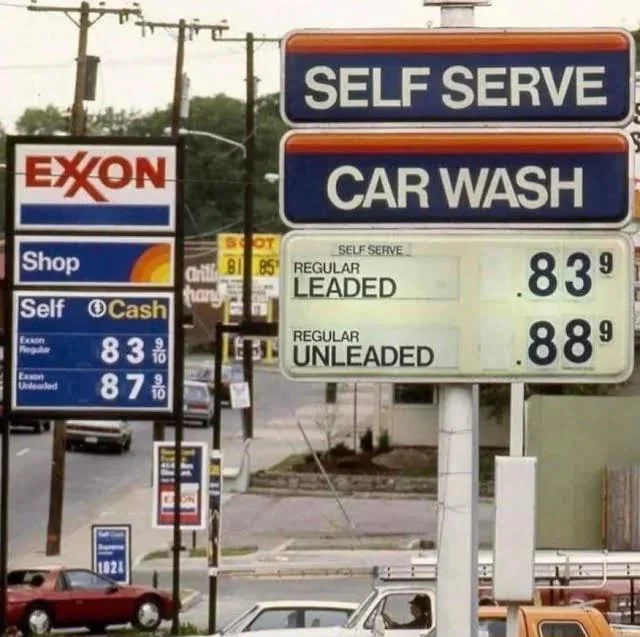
<point>133,386</point>
<point>572,342</point>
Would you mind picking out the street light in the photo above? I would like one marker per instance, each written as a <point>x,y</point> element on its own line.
<point>202,133</point>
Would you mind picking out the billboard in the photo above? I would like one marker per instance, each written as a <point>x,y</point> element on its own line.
<point>193,485</point>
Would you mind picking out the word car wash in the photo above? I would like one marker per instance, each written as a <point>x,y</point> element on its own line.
<point>369,177</point>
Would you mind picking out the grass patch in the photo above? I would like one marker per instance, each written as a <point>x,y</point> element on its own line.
<point>201,551</point>
<point>288,464</point>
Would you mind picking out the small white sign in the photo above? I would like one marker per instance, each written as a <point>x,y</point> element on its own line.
<point>240,396</point>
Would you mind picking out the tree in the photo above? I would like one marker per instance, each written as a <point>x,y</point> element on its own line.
<point>214,170</point>
<point>43,121</point>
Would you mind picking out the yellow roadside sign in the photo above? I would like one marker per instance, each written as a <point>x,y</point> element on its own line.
<point>266,255</point>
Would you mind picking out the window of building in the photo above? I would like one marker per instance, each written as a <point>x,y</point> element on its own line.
<point>414,394</point>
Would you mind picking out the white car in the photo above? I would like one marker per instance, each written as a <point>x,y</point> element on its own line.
<point>288,614</point>
<point>115,435</point>
<point>198,404</point>
<point>392,600</point>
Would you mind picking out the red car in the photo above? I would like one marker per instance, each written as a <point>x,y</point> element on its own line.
<point>41,599</point>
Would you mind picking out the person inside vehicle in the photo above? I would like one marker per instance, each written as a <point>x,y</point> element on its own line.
<point>420,607</point>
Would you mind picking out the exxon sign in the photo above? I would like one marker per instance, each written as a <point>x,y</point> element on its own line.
<point>104,187</point>
<point>434,77</point>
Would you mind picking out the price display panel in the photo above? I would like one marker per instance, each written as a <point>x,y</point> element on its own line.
<point>458,306</point>
<point>102,352</point>
<point>233,265</point>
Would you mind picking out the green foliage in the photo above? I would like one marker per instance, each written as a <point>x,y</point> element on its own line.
<point>496,397</point>
<point>366,441</point>
<point>384,442</point>
<point>636,37</point>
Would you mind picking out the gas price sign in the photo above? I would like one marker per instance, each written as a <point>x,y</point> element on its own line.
<point>480,307</point>
<point>104,352</point>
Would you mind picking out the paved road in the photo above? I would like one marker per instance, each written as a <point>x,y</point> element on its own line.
<point>93,479</point>
<point>238,594</point>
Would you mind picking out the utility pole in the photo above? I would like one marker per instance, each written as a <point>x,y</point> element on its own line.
<point>185,29</point>
<point>249,201</point>
<point>84,23</point>
<point>77,127</point>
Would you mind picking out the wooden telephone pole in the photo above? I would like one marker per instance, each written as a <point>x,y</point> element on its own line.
<point>77,127</point>
<point>185,30</point>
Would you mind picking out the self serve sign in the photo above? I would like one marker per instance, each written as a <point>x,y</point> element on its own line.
<point>101,187</point>
<point>361,177</point>
<point>447,76</point>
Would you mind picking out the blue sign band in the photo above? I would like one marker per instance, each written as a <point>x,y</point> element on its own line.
<point>142,262</point>
<point>527,187</point>
<point>82,215</point>
<point>100,351</point>
<point>92,389</point>
<point>314,93</point>
<point>111,553</point>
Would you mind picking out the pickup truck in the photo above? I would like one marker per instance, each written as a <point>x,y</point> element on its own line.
<point>535,621</point>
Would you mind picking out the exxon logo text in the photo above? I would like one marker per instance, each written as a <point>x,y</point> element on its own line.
<point>94,174</point>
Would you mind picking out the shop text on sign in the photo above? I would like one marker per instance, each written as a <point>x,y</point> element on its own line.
<point>457,76</point>
<point>365,177</point>
<point>75,187</point>
<point>458,306</point>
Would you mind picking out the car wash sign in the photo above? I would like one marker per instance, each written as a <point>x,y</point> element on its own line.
<point>436,77</point>
<point>508,177</point>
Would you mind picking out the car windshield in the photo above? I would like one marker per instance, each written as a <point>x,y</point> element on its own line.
<point>196,393</point>
<point>198,372</point>
<point>238,622</point>
<point>357,614</point>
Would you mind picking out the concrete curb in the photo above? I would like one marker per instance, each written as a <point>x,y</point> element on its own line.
<point>365,495</point>
<point>190,600</point>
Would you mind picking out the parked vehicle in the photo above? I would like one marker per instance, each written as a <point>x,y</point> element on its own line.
<point>113,435</point>
<point>42,599</point>
<point>37,425</point>
<point>198,404</point>
<point>289,614</point>
<point>204,372</point>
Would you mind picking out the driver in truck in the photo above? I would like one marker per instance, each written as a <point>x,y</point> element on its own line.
<point>420,607</point>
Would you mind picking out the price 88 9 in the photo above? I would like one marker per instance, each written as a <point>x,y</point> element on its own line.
<point>570,340</point>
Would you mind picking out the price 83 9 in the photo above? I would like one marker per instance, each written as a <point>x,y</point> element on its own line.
<point>132,350</point>
<point>570,342</point>
<point>573,274</point>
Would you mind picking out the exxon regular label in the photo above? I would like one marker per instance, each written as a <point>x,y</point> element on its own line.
<point>440,76</point>
<point>126,188</point>
<point>517,177</point>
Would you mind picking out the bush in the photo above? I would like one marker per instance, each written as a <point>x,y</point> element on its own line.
<point>366,441</point>
<point>340,451</point>
<point>384,442</point>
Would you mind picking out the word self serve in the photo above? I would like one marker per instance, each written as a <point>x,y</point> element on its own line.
<point>457,87</point>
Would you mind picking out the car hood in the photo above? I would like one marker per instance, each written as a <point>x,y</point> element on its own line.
<point>138,590</point>
<point>329,631</point>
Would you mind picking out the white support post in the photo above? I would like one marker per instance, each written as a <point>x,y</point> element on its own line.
<point>516,449</point>
<point>457,542</point>
<point>458,448</point>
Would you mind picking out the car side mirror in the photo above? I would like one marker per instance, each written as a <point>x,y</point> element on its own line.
<point>379,628</point>
<point>114,588</point>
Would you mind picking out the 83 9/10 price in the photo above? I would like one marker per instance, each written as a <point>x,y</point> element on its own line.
<point>571,343</point>
<point>574,274</point>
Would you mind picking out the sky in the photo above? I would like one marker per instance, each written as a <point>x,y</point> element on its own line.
<point>38,49</point>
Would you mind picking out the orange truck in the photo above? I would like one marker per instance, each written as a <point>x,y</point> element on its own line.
<point>548,621</point>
